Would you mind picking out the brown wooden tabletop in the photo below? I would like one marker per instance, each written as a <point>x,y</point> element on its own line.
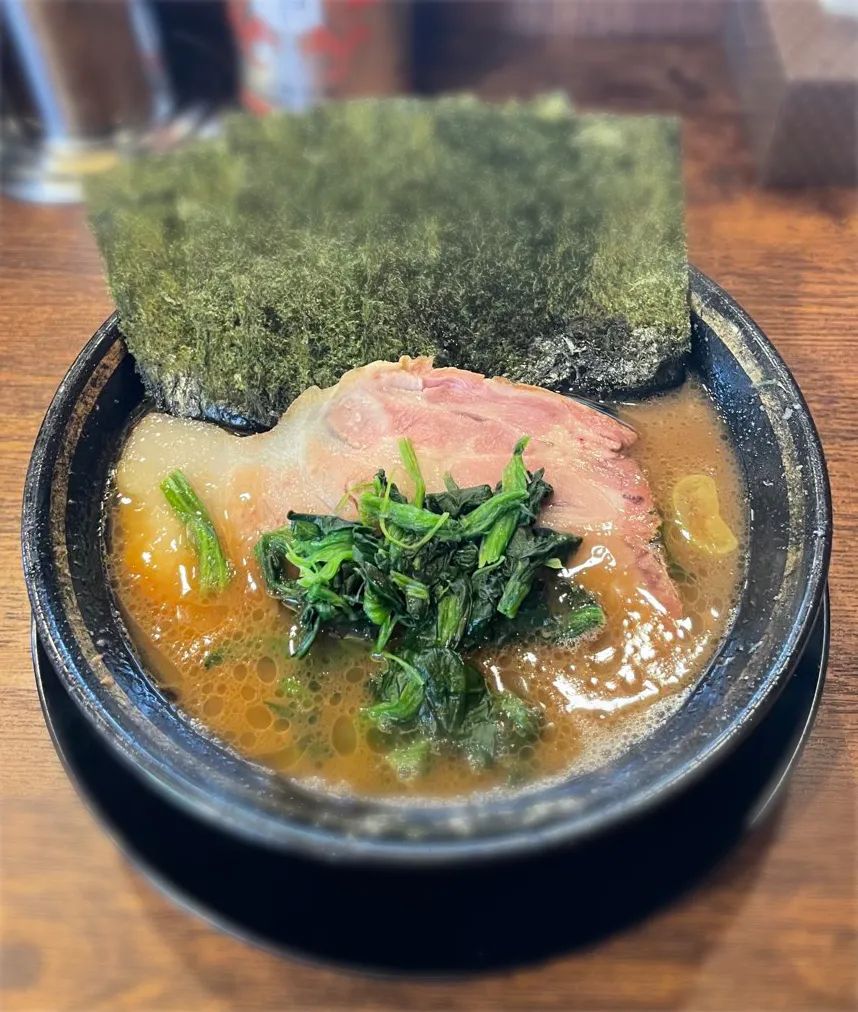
<point>774,927</point>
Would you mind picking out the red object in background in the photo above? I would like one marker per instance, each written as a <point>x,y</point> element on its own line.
<point>295,52</point>
<point>250,29</point>
<point>337,41</point>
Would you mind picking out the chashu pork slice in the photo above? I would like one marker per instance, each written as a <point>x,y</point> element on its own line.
<point>331,440</point>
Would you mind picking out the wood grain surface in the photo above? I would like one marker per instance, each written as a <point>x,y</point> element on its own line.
<point>774,927</point>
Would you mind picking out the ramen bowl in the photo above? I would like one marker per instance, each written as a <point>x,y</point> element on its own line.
<point>788,546</point>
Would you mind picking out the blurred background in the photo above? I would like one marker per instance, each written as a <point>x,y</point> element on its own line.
<point>768,95</point>
<point>84,81</point>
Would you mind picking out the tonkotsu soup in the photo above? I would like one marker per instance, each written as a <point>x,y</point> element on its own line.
<point>560,705</point>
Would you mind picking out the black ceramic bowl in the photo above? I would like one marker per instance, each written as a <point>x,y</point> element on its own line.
<point>789,545</point>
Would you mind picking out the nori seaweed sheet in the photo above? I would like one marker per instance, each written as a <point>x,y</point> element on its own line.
<point>520,240</point>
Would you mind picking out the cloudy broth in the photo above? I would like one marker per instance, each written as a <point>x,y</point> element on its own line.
<point>225,660</point>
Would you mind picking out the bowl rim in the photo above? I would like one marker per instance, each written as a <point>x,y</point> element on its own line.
<point>278,832</point>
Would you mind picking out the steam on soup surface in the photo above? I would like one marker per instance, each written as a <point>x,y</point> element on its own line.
<point>228,657</point>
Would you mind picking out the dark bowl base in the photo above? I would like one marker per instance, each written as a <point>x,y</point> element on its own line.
<point>439,921</point>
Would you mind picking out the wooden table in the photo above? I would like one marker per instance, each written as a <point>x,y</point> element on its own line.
<point>773,928</point>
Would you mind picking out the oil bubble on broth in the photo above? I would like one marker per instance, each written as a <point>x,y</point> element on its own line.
<point>226,660</point>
